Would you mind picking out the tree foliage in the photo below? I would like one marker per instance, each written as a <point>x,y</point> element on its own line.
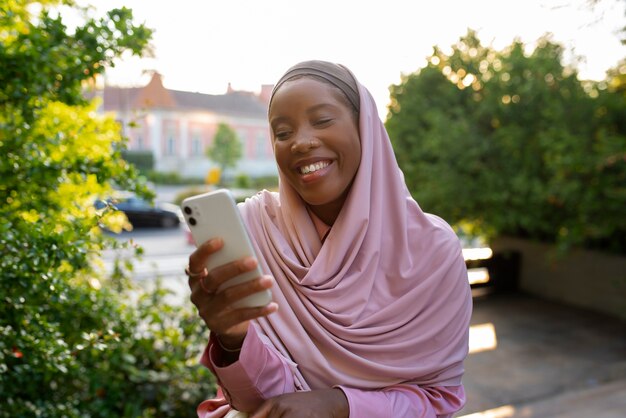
<point>72,340</point>
<point>226,149</point>
<point>512,142</point>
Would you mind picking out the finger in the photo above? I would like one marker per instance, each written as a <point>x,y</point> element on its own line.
<point>227,296</point>
<point>197,259</point>
<point>225,323</point>
<point>201,294</point>
<point>218,309</point>
<point>223,273</point>
<point>236,317</point>
<point>195,282</point>
<point>263,411</point>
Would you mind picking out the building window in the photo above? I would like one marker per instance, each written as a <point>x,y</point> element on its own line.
<point>170,144</point>
<point>140,145</point>
<point>261,146</point>
<point>243,140</point>
<point>196,145</point>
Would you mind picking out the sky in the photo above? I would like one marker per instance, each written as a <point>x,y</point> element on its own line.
<point>202,45</point>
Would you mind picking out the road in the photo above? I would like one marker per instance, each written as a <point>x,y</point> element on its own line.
<point>165,256</point>
<point>166,251</point>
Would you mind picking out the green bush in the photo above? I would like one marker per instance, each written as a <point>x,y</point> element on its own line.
<point>188,192</point>
<point>172,178</point>
<point>264,182</point>
<point>239,194</point>
<point>143,160</point>
<point>243,181</point>
<point>72,344</point>
<point>513,143</point>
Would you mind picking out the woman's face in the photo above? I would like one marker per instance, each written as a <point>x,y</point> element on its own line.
<point>316,143</point>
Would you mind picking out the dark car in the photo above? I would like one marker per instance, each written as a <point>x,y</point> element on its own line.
<point>141,213</point>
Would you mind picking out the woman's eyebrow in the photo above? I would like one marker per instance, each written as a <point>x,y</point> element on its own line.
<point>321,106</point>
<point>312,109</point>
<point>278,119</point>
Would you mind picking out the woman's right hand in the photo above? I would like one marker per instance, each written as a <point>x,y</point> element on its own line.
<point>214,306</point>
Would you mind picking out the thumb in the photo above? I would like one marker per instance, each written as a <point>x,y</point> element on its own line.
<point>263,411</point>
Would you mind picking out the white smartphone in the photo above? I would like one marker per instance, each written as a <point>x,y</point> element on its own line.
<point>215,214</point>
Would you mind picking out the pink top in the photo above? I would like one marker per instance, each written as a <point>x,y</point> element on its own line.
<point>262,373</point>
<point>380,309</point>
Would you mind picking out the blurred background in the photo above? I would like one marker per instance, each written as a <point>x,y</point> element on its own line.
<point>508,120</point>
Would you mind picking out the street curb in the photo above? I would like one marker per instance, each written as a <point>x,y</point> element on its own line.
<point>606,400</point>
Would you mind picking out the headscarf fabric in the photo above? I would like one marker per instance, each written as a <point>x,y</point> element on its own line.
<point>385,299</point>
<point>335,74</point>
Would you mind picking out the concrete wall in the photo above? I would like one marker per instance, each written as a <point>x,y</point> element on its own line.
<point>587,279</point>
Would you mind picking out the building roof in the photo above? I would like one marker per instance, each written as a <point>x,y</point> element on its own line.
<point>155,96</point>
<point>233,103</point>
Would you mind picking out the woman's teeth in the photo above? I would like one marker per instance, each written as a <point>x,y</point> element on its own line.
<point>307,169</point>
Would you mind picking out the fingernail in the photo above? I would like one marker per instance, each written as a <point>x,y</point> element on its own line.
<point>249,262</point>
<point>215,242</point>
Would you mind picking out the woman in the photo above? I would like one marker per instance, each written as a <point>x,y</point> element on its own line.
<point>371,305</point>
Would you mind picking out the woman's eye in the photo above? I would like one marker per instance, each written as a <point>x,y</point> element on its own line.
<point>282,135</point>
<point>322,122</point>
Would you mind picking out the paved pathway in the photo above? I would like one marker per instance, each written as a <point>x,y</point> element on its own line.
<point>547,360</point>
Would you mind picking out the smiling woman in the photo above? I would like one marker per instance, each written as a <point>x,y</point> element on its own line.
<point>371,301</point>
<point>316,143</point>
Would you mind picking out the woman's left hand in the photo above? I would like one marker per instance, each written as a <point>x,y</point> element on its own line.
<point>323,403</point>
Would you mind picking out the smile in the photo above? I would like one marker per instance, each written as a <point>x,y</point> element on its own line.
<point>311,168</point>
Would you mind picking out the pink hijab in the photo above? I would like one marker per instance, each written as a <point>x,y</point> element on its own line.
<point>384,300</point>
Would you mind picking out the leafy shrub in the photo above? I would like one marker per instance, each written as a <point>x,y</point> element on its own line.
<point>171,178</point>
<point>188,192</point>
<point>513,143</point>
<point>243,181</point>
<point>264,182</point>
<point>72,344</point>
<point>142,160</point>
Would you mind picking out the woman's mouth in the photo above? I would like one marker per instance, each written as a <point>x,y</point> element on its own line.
<point>312,168</point>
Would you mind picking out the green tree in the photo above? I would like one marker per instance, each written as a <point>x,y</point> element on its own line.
<point>512,142</point>
<point>73,342</point>
<point>226,149</point>
<point>616,78</point>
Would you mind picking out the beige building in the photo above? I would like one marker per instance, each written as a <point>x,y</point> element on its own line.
<point>178,126</point>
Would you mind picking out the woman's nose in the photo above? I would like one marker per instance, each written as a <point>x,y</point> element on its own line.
<point>304,145</point>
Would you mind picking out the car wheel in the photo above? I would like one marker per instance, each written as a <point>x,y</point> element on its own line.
<point>168,222</point>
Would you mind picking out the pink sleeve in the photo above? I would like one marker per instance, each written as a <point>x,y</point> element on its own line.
<point>405,401</point>
<point>261,373</point>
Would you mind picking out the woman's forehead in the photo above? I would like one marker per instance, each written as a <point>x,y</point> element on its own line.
<point>307,89</point>
<point>334,74</point>
<point>304,88</point>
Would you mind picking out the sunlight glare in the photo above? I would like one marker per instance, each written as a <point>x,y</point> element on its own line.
<point>501,412</point>
<point>478,276</point>
<point>477,253</point>
<point>482,338</point>
<point>506,411</point>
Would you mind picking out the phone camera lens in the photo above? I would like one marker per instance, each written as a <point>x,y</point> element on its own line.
<point>192,221</point>
<point>187,210</point>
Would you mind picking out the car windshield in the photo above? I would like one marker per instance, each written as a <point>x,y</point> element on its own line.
<point>135,202</point>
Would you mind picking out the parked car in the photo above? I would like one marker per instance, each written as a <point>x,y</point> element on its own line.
<point>141,213</point>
